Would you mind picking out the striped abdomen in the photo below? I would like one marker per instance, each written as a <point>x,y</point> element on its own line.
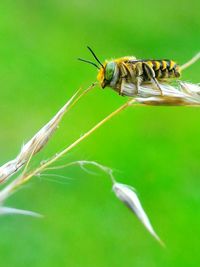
<point>164,68</point>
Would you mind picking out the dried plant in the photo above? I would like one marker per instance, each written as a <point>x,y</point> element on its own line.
<point>39,140</point>
<point>128,196</point>
<point>181,94</point>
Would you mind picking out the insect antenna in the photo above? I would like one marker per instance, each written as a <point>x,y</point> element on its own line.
<point>89,62</point>
<point>95,57</point>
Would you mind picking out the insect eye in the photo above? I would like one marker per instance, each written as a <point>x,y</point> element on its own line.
<point>110,68</point>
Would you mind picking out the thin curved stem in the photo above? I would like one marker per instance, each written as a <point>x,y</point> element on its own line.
<point>25,177</point>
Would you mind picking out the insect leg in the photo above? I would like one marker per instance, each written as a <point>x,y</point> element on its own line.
<point>122,86</point>
<point>137,84</point>
<point>123,78</point>
<point>138,76</point>
<point>151,74</point>
<point>158,86</point>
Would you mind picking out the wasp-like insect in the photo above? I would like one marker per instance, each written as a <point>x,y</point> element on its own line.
<point>129,72</point>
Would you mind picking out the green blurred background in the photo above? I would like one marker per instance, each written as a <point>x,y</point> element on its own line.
<point>154,149</point>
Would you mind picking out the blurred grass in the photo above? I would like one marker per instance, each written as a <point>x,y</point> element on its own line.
<point>156,150</point>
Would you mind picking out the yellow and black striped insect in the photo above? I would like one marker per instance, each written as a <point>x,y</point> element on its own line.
<point>129,72</point>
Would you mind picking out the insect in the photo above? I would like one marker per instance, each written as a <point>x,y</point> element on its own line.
<point>129,72</point>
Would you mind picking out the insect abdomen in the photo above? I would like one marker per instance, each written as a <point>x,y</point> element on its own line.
<point>164,68</point>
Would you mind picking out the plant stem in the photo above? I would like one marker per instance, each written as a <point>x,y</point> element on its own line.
<point>25,177</point>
